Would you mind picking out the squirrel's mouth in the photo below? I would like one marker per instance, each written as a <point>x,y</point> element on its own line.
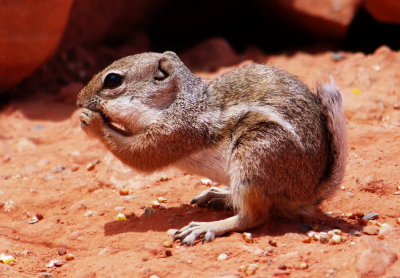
<point>117,127</point>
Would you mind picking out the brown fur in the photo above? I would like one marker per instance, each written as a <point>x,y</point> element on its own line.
<point>260,130</point>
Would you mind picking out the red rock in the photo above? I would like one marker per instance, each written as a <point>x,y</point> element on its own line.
<point>104,20</point>
<point>30,32</point>
<point>384,10</point>
<point>210,55</point>
<point>326,18</point>
<point>374,258</point>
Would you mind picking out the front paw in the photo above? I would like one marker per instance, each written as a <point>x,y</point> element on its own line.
<point>195,231</point>
<point>91,122</point>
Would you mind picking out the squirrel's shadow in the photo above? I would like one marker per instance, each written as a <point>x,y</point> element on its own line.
<point>164,219</point>
<point>178,217</point>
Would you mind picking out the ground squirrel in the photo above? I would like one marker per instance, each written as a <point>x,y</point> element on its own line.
<point>279,147</point>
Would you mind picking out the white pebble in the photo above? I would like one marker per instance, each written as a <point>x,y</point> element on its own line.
<point>88,213</point>
<point>336,239</point>
<point>222,257</point>
<point>206,181</point>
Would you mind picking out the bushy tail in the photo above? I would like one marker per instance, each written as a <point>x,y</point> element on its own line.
<point>333,110</point>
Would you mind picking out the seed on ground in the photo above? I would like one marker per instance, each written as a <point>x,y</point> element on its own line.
<point>161,200</point>
<point>168,244</point>
<point>69,257</point>
<point>155,204</point>
<point>123,191</point>
<point>247,237</point>
<point>120,216</point>
<point>249,269</point>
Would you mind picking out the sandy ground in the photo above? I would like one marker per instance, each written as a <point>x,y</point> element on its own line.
<point>49,169</point>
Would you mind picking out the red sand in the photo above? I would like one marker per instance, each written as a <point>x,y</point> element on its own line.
<point>42,133</point>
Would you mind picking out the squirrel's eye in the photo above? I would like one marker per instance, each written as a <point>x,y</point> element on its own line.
<point>112,81</point>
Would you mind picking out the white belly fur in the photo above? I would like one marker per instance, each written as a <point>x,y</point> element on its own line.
<point>210,163</point>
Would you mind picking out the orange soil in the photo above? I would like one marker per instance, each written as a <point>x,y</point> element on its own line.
<point>41,133</point>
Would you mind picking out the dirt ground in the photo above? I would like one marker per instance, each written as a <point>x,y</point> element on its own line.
<point>49,169</point>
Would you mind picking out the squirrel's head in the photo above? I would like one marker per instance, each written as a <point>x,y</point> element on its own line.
<point>135,90</point>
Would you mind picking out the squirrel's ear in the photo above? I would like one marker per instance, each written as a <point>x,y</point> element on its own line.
<point>164,68</point>
<point>171,54</point>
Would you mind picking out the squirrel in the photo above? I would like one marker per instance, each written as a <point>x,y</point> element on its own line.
<point>280,148</point>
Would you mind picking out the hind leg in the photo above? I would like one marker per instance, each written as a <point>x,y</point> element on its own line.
<point>214,197</point>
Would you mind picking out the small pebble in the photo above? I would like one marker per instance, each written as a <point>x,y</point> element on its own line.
<point>371,230</point>
<point>69,257</point>
<point>154,276</point>
<point>104,251</point>
<point>282,267</point>
<point>373,223</point>
<point>62,251</point>
<point>331,272</point>
<point>377,67</point>
<point>347,214</point>
<point>58,169</point>
<point>398,220</point>
<point>247,237</point>
<point>54,263</point>
<point>89,213</point>
<point>302,266</point>
<point>249,269</point>
<point>128,197</point>
<point>336,56</point>
<point>323,237</point>
<point>350,194</point>
<point>124,191</point>
<point>120,216</point>
<point>168,244</point>
<point>6,158</point>
<point>119,208</point>
<point>336,239</point>
<point>26,252</point>
<point>370,216</point>
<point>272,243</point>
<point>8,205</point>
<point>33,220</point>
<point>168,253</point>
<point>45,275</point>
<point>396,106</point>
<point>206,181</point>
<point>92,165</point>
<point>74,168</point>
<point>155,204</point>
<point>161,200</point>
<point>222,257</point>
<point>307,240</point>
